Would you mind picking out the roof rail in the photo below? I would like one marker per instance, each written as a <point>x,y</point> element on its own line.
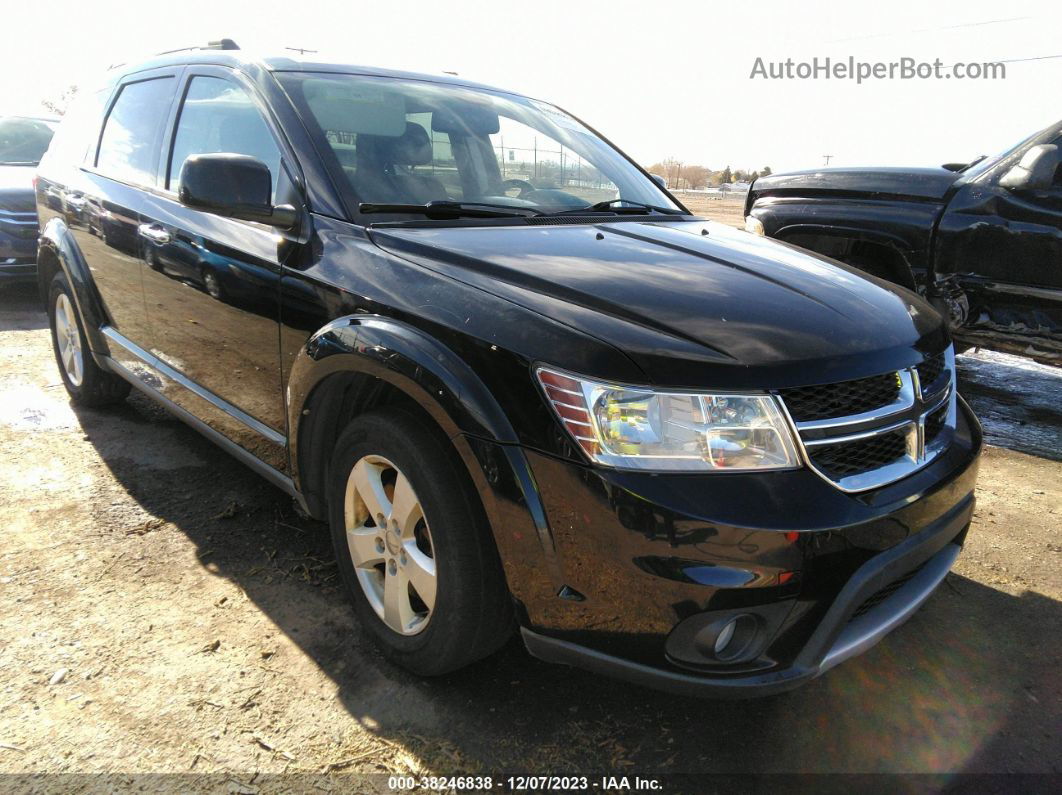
<point>220,44</point>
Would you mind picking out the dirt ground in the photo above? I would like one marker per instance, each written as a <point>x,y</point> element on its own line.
<point>728,209</point>
<point>165,611</point>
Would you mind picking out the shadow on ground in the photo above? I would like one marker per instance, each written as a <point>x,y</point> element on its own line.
<point>20,308</point>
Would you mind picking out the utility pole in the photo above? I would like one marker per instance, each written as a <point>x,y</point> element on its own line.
<point>827,158</point>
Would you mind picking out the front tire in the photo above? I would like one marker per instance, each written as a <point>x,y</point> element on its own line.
<point>212,285</point>
<point>85,381</point>
<point>413,545</point>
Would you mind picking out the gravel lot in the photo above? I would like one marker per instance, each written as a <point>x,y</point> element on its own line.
<point>167,611</point>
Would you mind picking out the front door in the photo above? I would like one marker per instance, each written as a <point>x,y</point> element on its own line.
<point>211,283</point>
<point>1004,249</point>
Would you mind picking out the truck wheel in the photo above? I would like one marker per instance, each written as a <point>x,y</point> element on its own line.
<point>413,545</point>
<point>86,382</point>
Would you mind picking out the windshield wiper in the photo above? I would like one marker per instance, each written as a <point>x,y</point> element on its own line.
<point>451,209</point>
<point>628,207</point>
<point>19,163</point>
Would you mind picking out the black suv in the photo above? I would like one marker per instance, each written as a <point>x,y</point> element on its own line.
<point>23,140</point>
<point>522,383</point>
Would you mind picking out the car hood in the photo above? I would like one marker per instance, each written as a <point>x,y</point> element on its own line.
<point>918,183</point>
<point>16,188</point>
<point>690,302</point>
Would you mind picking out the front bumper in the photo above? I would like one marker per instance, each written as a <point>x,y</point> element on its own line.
<point>836,640</point>
<point>839,571</point>
<point>18,247</point>
<point>17,270</point>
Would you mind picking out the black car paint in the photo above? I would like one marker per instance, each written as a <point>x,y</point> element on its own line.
<point>989,257</point>
<point>453,316</point>
<point>18,224</point>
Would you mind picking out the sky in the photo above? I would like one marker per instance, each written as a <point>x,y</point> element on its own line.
<point>666,79</point>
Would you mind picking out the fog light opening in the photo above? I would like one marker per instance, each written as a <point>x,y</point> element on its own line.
<point>724,637</point>
<point>736,639</point>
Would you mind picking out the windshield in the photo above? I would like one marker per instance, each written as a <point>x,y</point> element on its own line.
<point>412,142</point>
<point>978,168</point>
<point>24,141</point>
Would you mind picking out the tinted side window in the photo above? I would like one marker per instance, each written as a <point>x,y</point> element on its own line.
<point>219,116</point>
<point>131,134</point>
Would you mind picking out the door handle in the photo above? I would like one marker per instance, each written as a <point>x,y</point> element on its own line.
<point>154,233</point>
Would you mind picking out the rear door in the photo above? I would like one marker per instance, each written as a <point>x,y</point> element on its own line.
<point>121,171</point>
<point>211,284</point>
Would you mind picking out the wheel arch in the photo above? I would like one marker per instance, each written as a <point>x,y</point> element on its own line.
<point>362,362</point>
<point>893,252</point>
<point>57,251</point>
<point>358,363</point>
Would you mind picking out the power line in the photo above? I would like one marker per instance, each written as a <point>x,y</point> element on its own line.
<point>1024,60</point>
<point>931,30</point>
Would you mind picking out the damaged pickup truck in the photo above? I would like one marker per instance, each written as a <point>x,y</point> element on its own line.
<point>982,241</point>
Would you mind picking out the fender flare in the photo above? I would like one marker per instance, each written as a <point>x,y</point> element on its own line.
<point>444,386</point>
<point>56,241</point>
<point>395,352</point>
<point>881,237</point>
<point>911,259</point>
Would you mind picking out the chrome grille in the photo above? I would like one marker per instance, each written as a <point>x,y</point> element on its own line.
<point>897,424</point>
<point>935,423</point>
<point>929,372</point>
<point>864,455</point>
<point>18,224</point>
<point>841,399</point>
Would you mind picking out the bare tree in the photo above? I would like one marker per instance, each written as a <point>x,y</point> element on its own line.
<point>696,176</point>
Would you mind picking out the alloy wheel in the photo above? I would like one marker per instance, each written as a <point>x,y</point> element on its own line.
<point>213,286</point>
<point>390,545</point>
<point>68,339</point>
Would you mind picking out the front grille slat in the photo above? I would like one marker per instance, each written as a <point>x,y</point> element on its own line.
<point>929,372</point>
<point>878,597</point>
<point>807,403</point>
<point>853,458</point>
<point>935,423</point>
<point>864,434</point>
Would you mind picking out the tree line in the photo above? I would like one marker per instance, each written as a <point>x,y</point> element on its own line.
<point>690,176</point>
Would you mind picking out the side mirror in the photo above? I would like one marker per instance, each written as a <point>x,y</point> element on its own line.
<point>233,186</point>
<point>1036,171</point>
<point>659,180</point>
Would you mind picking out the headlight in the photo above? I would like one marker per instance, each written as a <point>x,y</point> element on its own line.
<point>754,225</point>
<point>635,428</point>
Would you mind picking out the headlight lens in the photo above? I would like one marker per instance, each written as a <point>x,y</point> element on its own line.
<point>754,225</point>
<point>633,428</point>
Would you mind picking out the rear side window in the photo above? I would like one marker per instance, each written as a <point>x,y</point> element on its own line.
<point>219,116</point>
<point>130,143</point>
<point>75,140</point>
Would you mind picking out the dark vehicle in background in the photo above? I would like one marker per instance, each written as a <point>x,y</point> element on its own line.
<point>523,393</point>
<point>23,141</point>
<point>981,241</point>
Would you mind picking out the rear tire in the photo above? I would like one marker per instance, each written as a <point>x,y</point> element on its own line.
<point>449,605</point>
<point>86,382</point>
